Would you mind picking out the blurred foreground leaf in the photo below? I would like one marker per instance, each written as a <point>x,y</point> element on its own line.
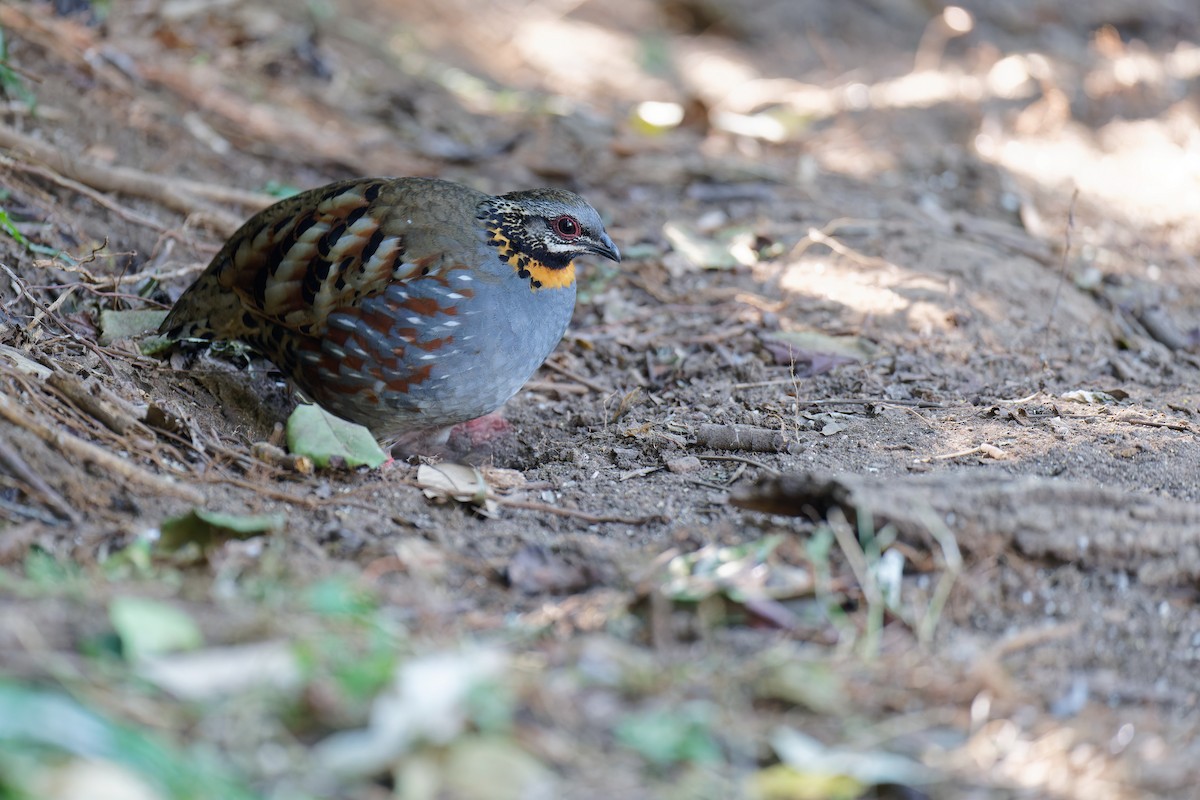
<point>808,756</point>
<point>150,627</point>
<point>784,674</point>
<point>41,722</point>
<point>428,702</point>
<point>202,527</point>
<point>478,767</point>
<point>671,736</point>
<point>741,571</point>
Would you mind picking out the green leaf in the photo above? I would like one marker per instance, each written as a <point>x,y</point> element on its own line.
<point>9,227</point>
<point>44,571</point>
<point>783,675</point>
<point>31,718</point>
<point>338,597</point>
<point>149,627</point>
<point>280,190</point>
<point>665,737</point>
<point>128,324</point>
<point>702,251</point>
<point>314,432</point>
<point>203,527</point>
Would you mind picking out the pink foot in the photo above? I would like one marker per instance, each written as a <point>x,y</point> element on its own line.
<point>482,430</point>
<point>472,438</point>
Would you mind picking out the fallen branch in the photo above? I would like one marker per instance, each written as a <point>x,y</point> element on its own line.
<point>86,451</point>
<point>101,409</point>
<point>88,192</point>
<point>1089,525</point>
<point>11,460</point>
<point>741,437</point>
<point>178,194</point>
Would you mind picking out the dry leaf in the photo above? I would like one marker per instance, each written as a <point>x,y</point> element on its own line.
<point>460,482</point>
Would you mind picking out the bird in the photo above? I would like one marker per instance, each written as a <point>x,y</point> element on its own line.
<point>406,305</point>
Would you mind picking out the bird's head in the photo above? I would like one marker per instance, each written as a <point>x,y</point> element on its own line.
<point>540,232</point>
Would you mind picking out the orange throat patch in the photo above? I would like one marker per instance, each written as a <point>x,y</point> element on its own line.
<point>538,274</point>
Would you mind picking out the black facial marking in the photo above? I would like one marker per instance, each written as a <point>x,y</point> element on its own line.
<point>520,233</point>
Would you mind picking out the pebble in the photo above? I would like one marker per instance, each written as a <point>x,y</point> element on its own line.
<point>684,465</point>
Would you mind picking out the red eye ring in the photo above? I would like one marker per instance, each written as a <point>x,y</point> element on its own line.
<point>567,227</point>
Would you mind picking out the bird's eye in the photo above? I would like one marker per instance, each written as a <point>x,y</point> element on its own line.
<point>567,226</point>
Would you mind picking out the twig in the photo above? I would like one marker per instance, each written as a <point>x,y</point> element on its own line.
<point>263,489</point>
<point>1174,426</point>
<point>17,108</point>
<point>16,465</point>
<point>866,401</point>
<point>25,512</point>
<point>706,484</point>
<point>913,412</point>
<point>1062,273</point>
<point>818,237</point>
<point>741,460</point>
<point>23,288</point>
<point>101,409</point>
<point>68,41</point>
<point>637,473</point>
<point>1022,400</point>
<point>70,445</point>
<point>555,386</point>
<point>985,449</point>
<point>839,401</point>
<point>717,337</point>
<point>847,540</point>
<point>15,540</point>
<point>178,194</point>
<point>88,192</point>
<point>24,73</point>
<point>137,277</point>
<point>582,515</point>
<point>1031,637</point>
<point>801,247</point>
<point>581,379</point>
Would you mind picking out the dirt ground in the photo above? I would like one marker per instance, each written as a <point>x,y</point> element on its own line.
<point>909,305</point>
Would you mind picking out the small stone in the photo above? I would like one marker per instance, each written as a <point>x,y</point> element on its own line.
<point>684,465</point>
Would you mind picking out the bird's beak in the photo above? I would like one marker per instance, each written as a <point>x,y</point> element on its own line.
<point>605,247</point>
